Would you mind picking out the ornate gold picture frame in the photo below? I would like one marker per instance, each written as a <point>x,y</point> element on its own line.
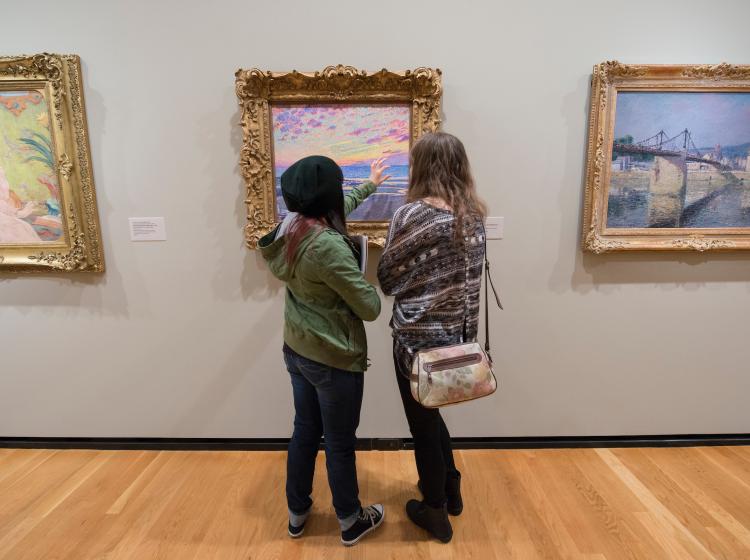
<point>268,97</point>
<point>668,158</point>
<point>48,212</point>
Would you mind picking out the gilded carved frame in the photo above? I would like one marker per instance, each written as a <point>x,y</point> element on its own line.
<point>257,90</point>
<point>608,78</point>
<point>80,247</point>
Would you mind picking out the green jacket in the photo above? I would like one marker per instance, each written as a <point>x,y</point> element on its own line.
<point>327,297</point>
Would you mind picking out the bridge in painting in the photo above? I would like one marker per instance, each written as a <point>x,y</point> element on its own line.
<point>661,144</point>
<point>669,173</point>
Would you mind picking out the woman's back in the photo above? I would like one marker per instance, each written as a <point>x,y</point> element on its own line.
<point>326,298</point>
<point>435,277</point>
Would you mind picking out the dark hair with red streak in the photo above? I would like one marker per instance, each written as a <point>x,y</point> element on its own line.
<point>298,229</point>
<point>301,226</point>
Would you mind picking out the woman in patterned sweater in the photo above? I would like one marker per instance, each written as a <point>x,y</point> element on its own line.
<point>432,264</point>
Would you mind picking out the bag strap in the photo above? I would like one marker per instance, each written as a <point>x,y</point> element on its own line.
<point>488,282</point>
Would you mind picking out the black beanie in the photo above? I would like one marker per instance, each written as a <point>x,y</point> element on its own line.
<point>313,186</point>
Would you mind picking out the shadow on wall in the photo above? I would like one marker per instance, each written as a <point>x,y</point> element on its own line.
<point>256,282</point>
<point>585,272</point>
<point>102,294</point>
<point>226,379</point>
<point>467,119</point>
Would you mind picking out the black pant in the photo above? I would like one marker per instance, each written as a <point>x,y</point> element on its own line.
<point>326,401</point>
<point>432,444</point>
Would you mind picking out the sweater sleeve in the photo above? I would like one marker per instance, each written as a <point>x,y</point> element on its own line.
<point>399,259</point>
<point>341,273</point>
<point>357,196</point>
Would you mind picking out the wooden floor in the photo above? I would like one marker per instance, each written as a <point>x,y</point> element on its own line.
<point>593,504</point>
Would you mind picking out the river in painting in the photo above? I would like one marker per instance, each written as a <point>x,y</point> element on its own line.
<point>680,159</point>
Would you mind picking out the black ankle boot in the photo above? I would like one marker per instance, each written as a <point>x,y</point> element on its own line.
<point>433,520</point>
<point>453,493</point>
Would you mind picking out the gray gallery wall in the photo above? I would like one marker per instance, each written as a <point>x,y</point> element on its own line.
<point>183,338</point>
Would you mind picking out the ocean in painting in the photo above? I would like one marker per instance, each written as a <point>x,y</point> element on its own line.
<point>353,136</point>
<point>680,159</point>
<point>30,210</point>
<point>379,206</point>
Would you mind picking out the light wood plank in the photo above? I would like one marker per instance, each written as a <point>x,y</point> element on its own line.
<point>597,527</point>
<point>619,507</point>
<point>80,515</point>
<point>16,461</point>
<point>43,505</point>
<point>714,483</point>
<point>712,506</point>
<point>667,519</point>
<point>650,467</point>
<point>562,504</point>
<point>523,464</point>
<point>739,470</point>
<point>136,485</point>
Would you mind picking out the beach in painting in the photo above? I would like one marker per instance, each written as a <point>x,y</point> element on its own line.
<point>353,136</point>
<point>29,193</point>
<point>680,159</point>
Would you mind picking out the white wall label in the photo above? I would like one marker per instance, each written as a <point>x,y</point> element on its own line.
<point>494,227</point>
<point>147,229</point>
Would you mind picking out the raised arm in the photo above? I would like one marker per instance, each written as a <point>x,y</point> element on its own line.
<point>358,194</point>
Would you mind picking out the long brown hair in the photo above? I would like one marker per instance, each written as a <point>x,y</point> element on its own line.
<point>439,168</point>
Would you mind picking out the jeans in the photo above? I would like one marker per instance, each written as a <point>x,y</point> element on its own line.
<point>327,402</point>
<point>432,443</point>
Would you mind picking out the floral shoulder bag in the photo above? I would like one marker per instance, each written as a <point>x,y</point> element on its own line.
<point>462,372</point>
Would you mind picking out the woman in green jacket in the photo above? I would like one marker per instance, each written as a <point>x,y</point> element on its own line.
<point>325,349</point>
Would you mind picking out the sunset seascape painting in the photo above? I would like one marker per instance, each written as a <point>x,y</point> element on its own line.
<point>353,136</point>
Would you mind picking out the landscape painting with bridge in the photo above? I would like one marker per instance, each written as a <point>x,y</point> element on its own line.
<point>680,160</point>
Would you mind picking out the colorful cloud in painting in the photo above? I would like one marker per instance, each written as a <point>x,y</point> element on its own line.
<point>349,134</point>
<point>353,136</point>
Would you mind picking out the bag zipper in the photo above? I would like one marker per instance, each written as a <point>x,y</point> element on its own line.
<point>450,363</point>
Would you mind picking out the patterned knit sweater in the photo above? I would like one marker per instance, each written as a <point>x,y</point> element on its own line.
<point>435,279</point>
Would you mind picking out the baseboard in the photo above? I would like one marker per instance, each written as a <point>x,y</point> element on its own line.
<point>385,444</point>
